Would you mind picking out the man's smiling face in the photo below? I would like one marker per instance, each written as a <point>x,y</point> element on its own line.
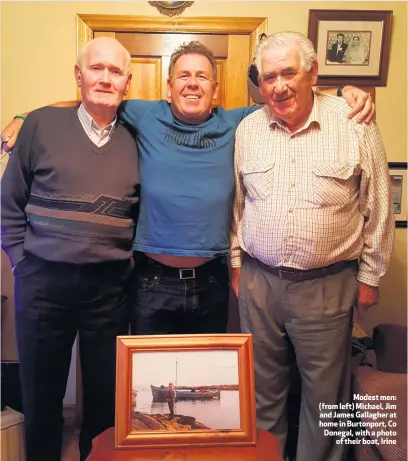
<point>285,86</point>
<point>192,88</point>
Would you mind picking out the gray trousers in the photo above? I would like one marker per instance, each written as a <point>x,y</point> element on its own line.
<point>316,317</point>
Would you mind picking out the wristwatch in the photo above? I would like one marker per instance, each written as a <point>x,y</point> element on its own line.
<point>340,91</point>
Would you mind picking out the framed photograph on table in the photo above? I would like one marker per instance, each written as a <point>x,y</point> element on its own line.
<point>185,390</point>
<point>399,183</point>
<point>353,47</point>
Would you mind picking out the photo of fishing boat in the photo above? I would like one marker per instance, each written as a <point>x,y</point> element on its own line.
<point>159,394</point>
<point>185,390</point>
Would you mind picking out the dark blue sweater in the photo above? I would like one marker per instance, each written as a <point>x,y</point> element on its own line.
<point>65,199</point>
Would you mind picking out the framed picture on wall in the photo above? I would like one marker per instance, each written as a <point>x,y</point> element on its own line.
<point>353,47</point>
<point>399,183</point>
<point>185,390</point>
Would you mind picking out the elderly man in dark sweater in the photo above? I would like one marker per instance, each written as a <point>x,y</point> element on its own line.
<point>69,202</point>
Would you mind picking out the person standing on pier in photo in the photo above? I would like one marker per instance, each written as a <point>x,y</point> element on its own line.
<point>171,398</point>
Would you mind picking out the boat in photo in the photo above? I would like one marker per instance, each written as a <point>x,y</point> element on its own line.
<point>159,394</point>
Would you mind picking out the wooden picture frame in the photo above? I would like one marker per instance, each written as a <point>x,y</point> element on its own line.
<point>399,183</point>
<point>352,46</point>
<point>214,383</point>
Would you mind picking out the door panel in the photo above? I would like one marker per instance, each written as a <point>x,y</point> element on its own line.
<point>163,44</point>
<point>146,79</point>
<point>237,64</point>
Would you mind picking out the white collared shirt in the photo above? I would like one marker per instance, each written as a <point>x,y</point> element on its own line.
<point>96,135</point>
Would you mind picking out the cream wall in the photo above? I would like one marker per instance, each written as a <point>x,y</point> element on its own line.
<point>39,48</point>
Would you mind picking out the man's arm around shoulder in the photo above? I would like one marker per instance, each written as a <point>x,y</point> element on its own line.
<point>10,133</point>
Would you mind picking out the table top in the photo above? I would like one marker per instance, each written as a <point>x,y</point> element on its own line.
<point>266,449</point>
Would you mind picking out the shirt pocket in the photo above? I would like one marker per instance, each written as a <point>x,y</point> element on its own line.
<point>258,179</point>
<point>333,183</point>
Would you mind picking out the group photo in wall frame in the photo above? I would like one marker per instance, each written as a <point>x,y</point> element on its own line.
<point>399,183</point>
<point>352,46</point>
<point>185,390</point>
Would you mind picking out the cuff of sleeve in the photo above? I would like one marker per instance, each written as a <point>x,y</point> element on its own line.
<point>236,260</point>
<point>15,254</point>
<point>368,279</point>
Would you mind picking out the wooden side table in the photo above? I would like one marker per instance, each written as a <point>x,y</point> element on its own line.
<point>267,449</point>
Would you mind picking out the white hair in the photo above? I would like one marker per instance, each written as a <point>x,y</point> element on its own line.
<point>306,49</point>
<point>83,52</point>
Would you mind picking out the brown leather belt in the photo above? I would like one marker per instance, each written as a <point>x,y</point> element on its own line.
<point>297,275</point>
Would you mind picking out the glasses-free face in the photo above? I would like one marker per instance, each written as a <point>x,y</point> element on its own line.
<point>192,88</point>
<point>285,86</point>
<point>103,78</point>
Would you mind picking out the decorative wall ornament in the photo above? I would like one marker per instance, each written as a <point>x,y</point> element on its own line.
<point>171,8</point>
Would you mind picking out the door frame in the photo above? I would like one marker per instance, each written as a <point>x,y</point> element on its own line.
<point>88,24</point>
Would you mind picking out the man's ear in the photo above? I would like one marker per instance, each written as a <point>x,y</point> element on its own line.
<point>169,88</point>
<point>127,86</point>
<point>215,94</point>
<point>78,75</point>
<point>315,72</point>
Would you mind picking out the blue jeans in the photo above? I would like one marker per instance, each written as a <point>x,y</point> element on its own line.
<point>170,301</point>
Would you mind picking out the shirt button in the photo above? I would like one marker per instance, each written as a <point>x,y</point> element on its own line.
<point>292,185</point>
<point>293,160</point>
<point>291,211</point>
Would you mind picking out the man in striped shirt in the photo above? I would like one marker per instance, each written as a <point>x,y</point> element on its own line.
<point>313,216</point>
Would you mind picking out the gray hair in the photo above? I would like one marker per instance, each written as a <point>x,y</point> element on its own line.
<point>83,52</point>
<point>306,49</point>
<point>193,47</point>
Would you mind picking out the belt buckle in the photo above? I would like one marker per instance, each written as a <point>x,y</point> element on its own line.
<point>284,271</point>
<point>187,274</point>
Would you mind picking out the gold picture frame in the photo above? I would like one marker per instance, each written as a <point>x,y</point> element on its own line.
<point>171,8</point>
<point>214,391</point>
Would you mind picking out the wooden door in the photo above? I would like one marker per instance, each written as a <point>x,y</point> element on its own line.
<point>151,41</point>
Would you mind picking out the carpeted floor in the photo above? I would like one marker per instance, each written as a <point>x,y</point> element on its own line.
<point>70,444</point>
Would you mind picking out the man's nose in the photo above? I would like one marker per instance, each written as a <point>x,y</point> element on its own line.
<point>193,80</point>
<point>106,77</point>
<point>280,84</point>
